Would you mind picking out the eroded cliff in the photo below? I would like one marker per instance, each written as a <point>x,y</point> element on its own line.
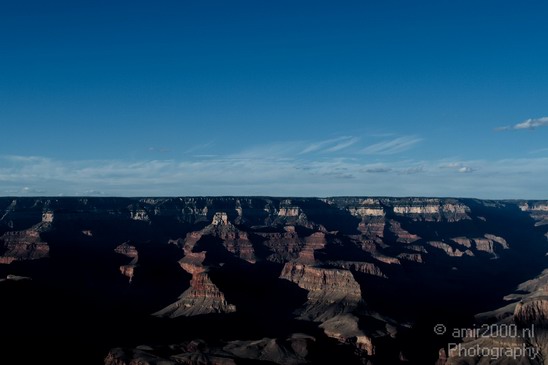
<point>357,275</point>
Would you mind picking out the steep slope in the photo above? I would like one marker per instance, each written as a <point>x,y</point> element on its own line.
<point>25,244</point>
<point>203,296</point>
<point>516,333</point>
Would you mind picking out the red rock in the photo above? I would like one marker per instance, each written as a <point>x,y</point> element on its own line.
<point>203,297</point>
<point>23,245</point>
<point>330,291</point>
<point>285,246</point>
<point>402,236</point>
<point>127,250</point>
<point>316,241</point>
<point>130,251</point>
<point>362,267</point>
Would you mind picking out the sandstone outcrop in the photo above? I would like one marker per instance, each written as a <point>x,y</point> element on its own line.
<point>490,244</point>
<point>413,257</point>
<point>23,245</point>
<point>333,297</point>
<point>432,209</point>
<point>235,241</point>
<point>316,241</point>
<point>203,296</point>
<point>359,266</point>
<point>330,291</point>
<point>372,215</point>
<point>130,251</point>
<point>285,246</point>
<point>449,250</point>
<point>402,236</point>
<point>538,211</point>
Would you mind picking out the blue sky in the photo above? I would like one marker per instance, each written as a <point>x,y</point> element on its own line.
<point>313,98</point>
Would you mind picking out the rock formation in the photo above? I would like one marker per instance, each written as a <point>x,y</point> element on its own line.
<point>333,297</point>
<point>359,266</point>
<point>203,296</point>
<point>330,291</point>
<point>449,250</point>
<point>521,324</point>
<point>355,275</point>
<point>289,351</point>
<point>537,209</point>
<point>432,209</point>
<point>23,245</point>
<point>402,236</point>
<point>130,251</point>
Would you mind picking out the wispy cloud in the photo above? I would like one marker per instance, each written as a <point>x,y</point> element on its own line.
<point>393,146</point>
<point>465,169</point>
<point>331,145</point>
<point>268,151</point>
<point>343,144</point>
<point>532,123</point>
<point>458,167</point>
<point>278,175</point>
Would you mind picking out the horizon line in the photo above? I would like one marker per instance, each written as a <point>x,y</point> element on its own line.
<point>261,196</point>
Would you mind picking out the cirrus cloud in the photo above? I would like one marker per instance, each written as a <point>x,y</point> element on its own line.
<point>393,146</point>
<point>531,123</point>
<point>277,170</point>
<point>331,145</point>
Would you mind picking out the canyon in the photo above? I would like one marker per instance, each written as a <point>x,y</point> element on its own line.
<point>271,280</point>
